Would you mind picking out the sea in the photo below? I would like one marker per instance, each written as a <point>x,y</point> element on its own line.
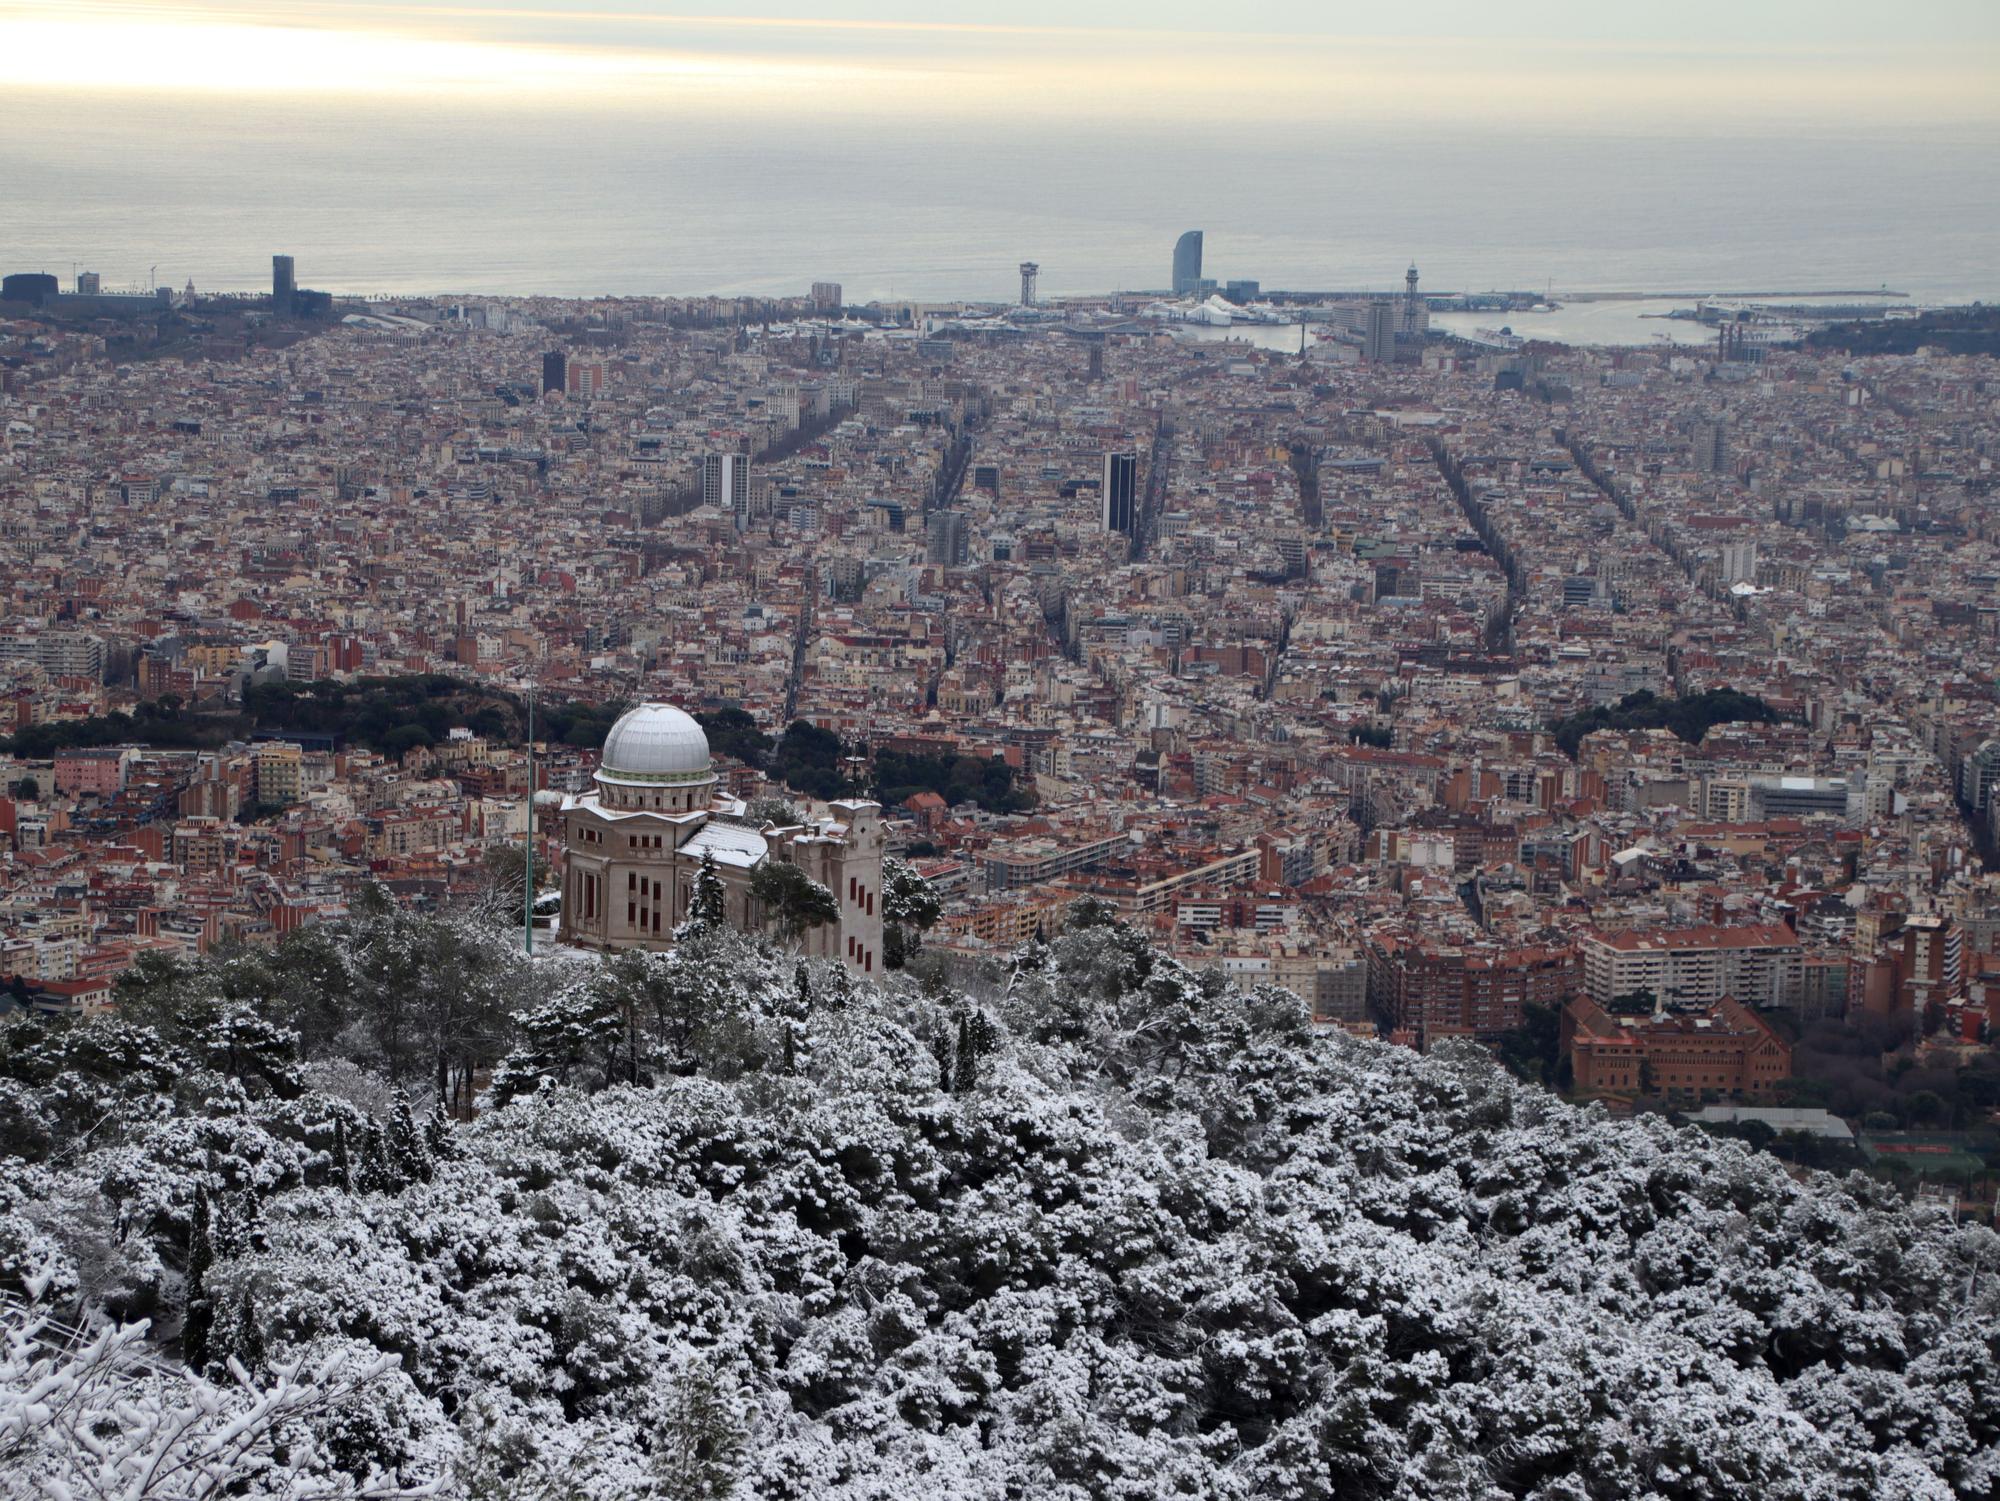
<point>494,198</point>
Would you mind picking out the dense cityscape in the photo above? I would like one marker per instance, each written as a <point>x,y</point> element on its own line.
<point>657,898</point>
<point>1643,696</point>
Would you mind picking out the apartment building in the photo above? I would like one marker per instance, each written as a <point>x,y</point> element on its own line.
<point>1760,965</point>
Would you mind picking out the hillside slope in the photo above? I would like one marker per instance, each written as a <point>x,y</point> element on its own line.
<point>1107,1229</point>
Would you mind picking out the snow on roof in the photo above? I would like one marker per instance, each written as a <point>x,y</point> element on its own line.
<point>1780,1118</point>
<point>731,844</point>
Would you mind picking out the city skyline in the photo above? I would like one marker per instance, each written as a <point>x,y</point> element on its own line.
<point>832,749</point>
<point>622,149</point>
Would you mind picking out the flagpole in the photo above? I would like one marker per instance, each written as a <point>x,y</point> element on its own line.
<point>528,864</point>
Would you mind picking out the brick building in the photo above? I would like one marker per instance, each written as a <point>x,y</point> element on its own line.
<point>1727,1051</point>
<point>1437,990</point>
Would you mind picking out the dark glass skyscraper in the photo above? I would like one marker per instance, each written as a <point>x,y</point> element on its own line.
<point>1378,341</point>
<point>945,539</point>
<point>555,371</point>
<point>1187,262</point>
<point>1120,492</point>
<point>284,283</point>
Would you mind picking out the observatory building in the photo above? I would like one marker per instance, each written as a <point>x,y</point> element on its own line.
<point>633,847</point>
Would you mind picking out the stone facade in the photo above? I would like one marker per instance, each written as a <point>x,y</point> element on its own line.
<point>634,847</point>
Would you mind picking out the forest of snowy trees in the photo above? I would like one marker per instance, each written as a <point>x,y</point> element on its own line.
<point>1079,1224</point>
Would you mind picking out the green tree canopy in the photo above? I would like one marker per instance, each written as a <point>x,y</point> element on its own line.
<point>1689,718</point>
<point>793,899</point>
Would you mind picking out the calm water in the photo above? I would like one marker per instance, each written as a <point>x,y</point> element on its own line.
<point>387,197</point>
<point>1600,323</point>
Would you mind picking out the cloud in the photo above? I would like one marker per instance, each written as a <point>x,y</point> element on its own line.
<point>879,61</point>
<point>213,54</point>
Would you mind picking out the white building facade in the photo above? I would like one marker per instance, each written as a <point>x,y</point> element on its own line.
<point>634,846</point>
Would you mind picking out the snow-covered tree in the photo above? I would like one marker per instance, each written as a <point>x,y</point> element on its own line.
<point>745,1225</point>
<point>791,899</point>
<point>706,910</point>
<point>102,1417</point>
<point>909,909</point>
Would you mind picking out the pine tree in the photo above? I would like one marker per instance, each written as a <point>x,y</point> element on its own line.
<point>343,1170</point>
<point>584,1034</point>
<point>198,1314</point>
<point>791,1050</point>
<point>437,1134</point>
<point>409,1157</point>
<point>705,911</point>
<point>699,1448</point>
<point>803,978</point>
<point>792,900</point>
<point>909,907</point>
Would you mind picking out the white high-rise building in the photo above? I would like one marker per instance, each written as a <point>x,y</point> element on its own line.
<point>725,484</point>
<point>1683,968</point>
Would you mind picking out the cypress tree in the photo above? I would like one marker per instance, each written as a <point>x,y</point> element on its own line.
<point>839,987</point>
<point>409,1158</point>
<point>941,1050</point>
<point>375,1174</point>
<point>249,1338</point>
<point>437,1133</point>
<point>967,1072</point>
<point>343,1170</point>
<point>198,1313</point>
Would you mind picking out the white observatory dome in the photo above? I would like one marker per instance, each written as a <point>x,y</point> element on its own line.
<point>654,743</point>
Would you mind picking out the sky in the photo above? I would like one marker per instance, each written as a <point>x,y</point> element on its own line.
<point>1691,64</point>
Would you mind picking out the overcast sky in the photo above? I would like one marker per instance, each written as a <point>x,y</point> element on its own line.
<point>1691,61</point>
<point>1689,23</point>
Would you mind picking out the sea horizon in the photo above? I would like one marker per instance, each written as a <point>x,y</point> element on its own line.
<point>451,198</point>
